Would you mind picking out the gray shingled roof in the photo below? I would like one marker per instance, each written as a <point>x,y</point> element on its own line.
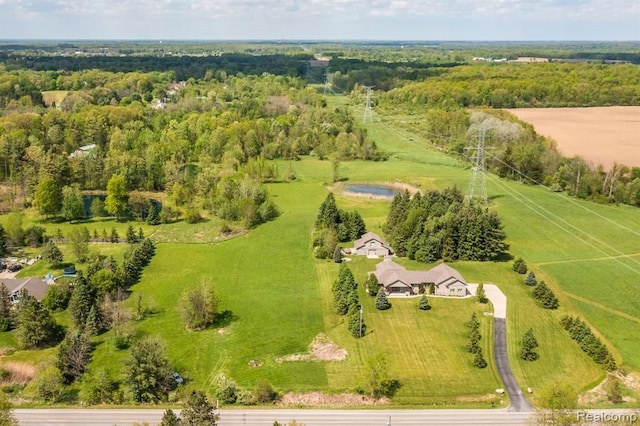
<point>389,272</point>
<point>360,242</point>
<point>35,286</point>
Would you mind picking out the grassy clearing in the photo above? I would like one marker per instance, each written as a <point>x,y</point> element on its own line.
<point>267,282</point>
<point>51,97</point>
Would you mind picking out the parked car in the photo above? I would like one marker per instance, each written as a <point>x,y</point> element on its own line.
<point>15,267</point>
<point>178,378</point>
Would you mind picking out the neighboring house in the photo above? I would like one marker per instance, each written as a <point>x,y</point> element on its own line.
<point>35,286</point>
<point>82,151</point>
<point>371,245</point>
<point>397,280</point>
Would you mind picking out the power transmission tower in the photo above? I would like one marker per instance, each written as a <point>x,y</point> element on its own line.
<point>368,114</point>
<point>327,82</point>
<point>478,184</point>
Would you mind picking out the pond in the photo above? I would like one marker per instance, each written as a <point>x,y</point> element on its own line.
<point>373,190</point>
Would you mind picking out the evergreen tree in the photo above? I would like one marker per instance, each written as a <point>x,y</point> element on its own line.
<point>473,323</point>
<point>547,298</point>
<point>529,344</point>
<point>372,284</point>
<point>6,309</point>
<point>36,328</point>
<point>520,266</point>
<point>328,216</point>
<point>382,303</point>
<point>94,324</point>
<point>52,254</point>
<point>153,215</point>
<point>531,279</point>
<point>480,294</point>
<point>81,302</point>
<point>169,418</point>
<point>337,255</point>
<point>478,360</point>
<point>115,238</point>
<point>424,303</point>
<point>356,324</point>
<point>198,411</point>
<point>132,238</point>
<point>432,288</point>
<point>357,227</point>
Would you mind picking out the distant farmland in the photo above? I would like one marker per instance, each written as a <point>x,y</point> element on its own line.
<point>602,135</point>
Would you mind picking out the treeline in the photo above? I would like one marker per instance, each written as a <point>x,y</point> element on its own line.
<point>589,343</point>
<point>442,225</point>
<point>521,85</point>
<point>183,67</point>
<point>519,153</point>
<point>197,145</point>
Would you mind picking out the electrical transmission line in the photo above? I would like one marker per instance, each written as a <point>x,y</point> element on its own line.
<point>328,87</point>
<point>368,114</point>
<point>478,182</point>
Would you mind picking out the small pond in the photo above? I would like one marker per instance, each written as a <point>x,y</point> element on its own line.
<point>374,190</point>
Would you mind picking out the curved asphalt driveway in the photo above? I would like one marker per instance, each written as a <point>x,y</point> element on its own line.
<point>518,401</point>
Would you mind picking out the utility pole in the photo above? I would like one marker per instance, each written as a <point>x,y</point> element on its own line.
<point>479,177</point>
<point>327,82</point>
<point>368,115</point>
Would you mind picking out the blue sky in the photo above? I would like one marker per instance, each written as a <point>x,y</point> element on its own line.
<point>321,19</point>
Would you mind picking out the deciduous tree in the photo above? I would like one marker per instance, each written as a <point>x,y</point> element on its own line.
<point>116,201</point>
<point>148,371</point>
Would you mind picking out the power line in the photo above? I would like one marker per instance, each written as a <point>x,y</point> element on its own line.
<point>368,114</point>
<point>479,175</point>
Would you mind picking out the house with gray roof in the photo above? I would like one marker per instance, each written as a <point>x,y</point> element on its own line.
<point>34,286</point>
<point>396,279</point>
<point>372,245</point>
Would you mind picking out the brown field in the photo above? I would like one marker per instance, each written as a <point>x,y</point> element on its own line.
<point>602,135</point>
<point>54,96</point>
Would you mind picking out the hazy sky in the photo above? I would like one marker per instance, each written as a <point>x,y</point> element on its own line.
<point>321,19</point>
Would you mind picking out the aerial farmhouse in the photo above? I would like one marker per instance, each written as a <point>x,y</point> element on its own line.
<point>397,280</point>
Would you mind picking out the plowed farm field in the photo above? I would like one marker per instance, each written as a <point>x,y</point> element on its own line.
<point>601,135</point>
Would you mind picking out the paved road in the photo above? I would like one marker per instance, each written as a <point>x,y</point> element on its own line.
<point>261,417</point>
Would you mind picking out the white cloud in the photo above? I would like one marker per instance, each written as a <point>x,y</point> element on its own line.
<point>314,18</point>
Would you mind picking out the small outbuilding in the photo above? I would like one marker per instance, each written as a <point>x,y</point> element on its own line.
<point>372,245</point>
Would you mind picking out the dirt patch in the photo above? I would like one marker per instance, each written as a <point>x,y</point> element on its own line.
<point>319,399</point>
<point>17,372</point>
<point>598,395</point>
<point>602,135</point>
<point>321,349</point>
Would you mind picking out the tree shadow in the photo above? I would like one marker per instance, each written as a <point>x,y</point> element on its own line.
<point>225,318</point>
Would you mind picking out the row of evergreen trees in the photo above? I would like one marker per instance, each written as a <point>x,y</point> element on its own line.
<point>474,337</point>
<point>346,302</point>
<point>334,225</point>
<point>545,296</point>
<point>589,343</point>
<point>441,225</point>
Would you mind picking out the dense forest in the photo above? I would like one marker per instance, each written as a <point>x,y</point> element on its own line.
<point>204,142</point>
